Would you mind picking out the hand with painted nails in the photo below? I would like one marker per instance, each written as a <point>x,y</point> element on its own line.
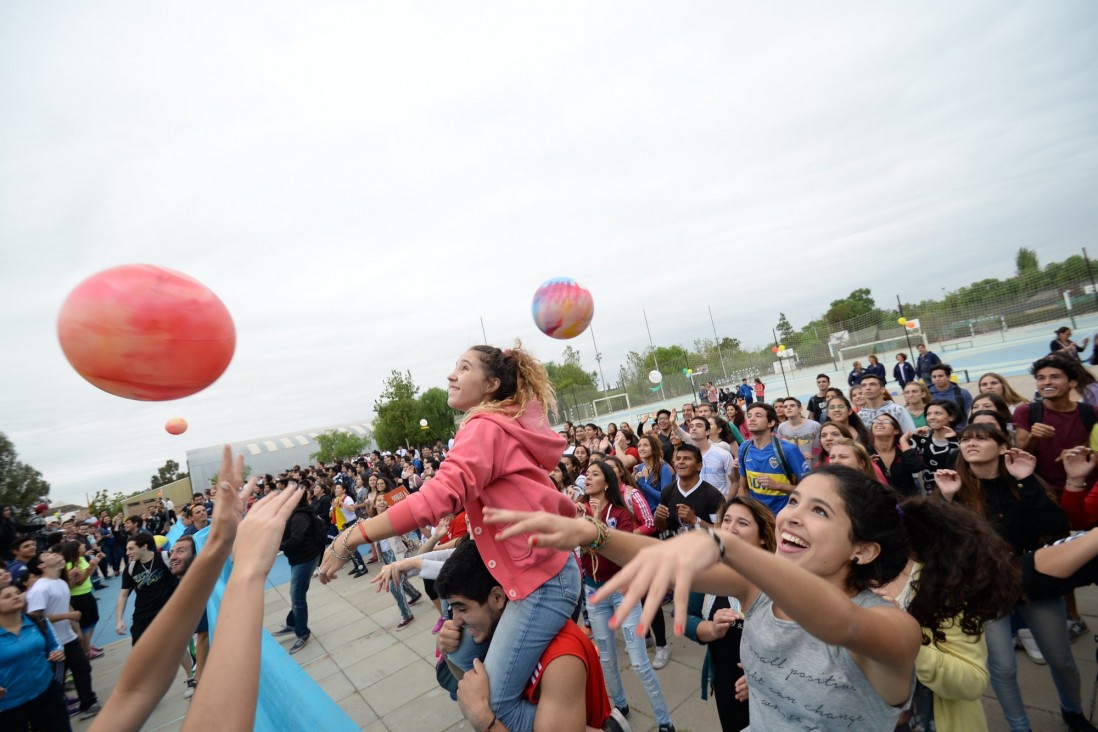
<point>544,529</point>
<point>655,570</point>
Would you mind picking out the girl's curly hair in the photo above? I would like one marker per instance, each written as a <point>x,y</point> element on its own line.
<point>522,379</point>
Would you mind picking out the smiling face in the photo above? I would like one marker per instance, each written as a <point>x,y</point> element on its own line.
<point>581,453</point>
<point>937,418</point>
<point>885,426</point>
<point>838,411</point>
<point>479,620</point>
<point>740,523</point>
<point>469,384</point>
<point>180,558</point>
<point>815,532</point>
<point>1052,383</point>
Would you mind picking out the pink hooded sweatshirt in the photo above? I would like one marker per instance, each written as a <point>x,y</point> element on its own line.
<point>497,462</point>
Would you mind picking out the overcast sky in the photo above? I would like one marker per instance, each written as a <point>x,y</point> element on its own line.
<point>361,183</point>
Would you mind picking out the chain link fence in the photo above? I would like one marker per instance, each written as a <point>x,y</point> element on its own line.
<point>1056,294</point>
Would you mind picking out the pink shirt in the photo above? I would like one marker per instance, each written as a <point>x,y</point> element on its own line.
<point>499,462</point>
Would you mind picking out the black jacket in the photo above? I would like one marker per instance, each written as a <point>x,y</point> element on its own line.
<point>297,543</point>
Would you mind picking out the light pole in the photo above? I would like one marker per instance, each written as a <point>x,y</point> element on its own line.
<point>598,358</point>
<point>653,347</point>
<point>777,349</point>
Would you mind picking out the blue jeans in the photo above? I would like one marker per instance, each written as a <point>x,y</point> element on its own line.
<point>300,577</point>
<point>398,589</point>
<point>600,614</point>
<point>1046,620</point>
<point>521,636</point>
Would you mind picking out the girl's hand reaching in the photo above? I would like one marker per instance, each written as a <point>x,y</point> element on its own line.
<point>545,529</point>
<point>655,570</point>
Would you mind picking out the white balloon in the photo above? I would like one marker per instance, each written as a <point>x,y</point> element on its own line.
<point>422,423</point>
<point>655,376</point>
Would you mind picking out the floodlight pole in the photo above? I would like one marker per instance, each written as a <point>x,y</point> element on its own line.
<point>907,337</point>
<point>780,362</point>
<point>717,341</point>
<point>653,347</point>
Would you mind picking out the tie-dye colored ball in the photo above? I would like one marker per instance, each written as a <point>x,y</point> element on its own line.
<point>562,308</point>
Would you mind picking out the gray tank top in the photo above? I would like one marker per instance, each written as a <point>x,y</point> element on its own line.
<point>798,682</point>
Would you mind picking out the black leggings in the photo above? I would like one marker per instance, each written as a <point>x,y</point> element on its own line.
<point>46,712</point>
<point>659,630</point>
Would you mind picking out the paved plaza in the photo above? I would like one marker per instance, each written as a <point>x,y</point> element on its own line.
<point>385,679</point>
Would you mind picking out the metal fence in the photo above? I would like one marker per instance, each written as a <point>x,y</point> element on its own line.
<point>1055,294</point>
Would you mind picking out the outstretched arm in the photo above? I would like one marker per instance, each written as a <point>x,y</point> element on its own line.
<point>152,664</point>
<point>226,699</point>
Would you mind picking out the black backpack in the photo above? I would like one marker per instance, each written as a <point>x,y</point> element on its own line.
<point>316,533</point>
<point>1086,413</point>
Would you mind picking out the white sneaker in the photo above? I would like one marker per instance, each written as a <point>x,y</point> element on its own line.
<point>191,685</point>
<point>661,657</point>
<point>1029,645</point>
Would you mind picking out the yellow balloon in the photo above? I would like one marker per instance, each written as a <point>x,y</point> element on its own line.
<point>160,541</point>
<point>781,348</point>
<point>902,321</point>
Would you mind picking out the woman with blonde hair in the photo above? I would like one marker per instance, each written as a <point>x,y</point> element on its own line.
<point>853,454</point>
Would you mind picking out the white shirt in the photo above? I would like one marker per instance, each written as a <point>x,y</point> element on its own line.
<point>52,597</point>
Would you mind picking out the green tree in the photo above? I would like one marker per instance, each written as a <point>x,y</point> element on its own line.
<point>338,445</point>
<point>397,423</point>
<point>169,472</point>
<point>101,502</point>
<point>785,329</point>
<point>21,486</point>
<point>858,302</point>
<point>1025,261</point>
<point>432,407</point>
<point>569,373</point>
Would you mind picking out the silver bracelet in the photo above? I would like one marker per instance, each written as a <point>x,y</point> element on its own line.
<point>337,555</point>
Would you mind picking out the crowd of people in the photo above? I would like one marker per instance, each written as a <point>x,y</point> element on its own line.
<point>848,562</point>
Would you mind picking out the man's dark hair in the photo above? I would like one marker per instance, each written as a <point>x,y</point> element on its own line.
<point>1067,365</point>
<point>944,367</point>
<point>144,540</point>
<point>684,447</point>
<point>464,574</point>
<point>188,540</point>
<point>18,542</point>
<point>798,401</point>
<point>824,376</point>
<point>34,565</point>
<point>136,521</point>
<point>663,412</point>
<point>771,414</point>
<point>877,377</point>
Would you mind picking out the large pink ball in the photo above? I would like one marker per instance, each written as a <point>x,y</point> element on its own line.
<point>145,332</point>
<point>563,308</point>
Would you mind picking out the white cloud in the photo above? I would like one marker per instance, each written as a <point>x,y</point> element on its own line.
<point>361,184</point>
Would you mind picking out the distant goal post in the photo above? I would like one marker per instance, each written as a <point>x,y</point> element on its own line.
<point>610,404</point>
<point>885,349</point>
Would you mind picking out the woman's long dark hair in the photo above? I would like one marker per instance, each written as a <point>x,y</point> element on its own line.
<point>70,550</point>
<point>613,487</point>
<point>969,575</point>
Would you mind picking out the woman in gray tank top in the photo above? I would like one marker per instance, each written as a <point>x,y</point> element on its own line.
<point>820,650</point>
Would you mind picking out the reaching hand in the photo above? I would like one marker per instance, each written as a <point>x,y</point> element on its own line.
<point>120,628</point>
<point>56,656</point>
<point>388,576</point>
<point>545,529</point>
<point>260,533</point>
<point>741,687</point>
<point>948,483</point>
<point>654,570</point>
<point>232,497</point>
<point>1019,464</point>
<point>330,564</point>
<point>1079,463</point>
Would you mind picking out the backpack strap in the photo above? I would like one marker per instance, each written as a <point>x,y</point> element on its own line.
<point>777,443</point>
<point>1086,414</point>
